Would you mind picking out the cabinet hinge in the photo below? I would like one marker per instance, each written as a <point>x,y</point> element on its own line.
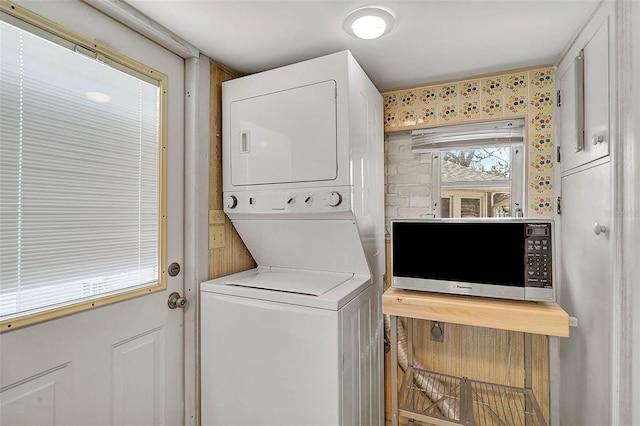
<point>558,155</point>
<point>558,98</point>
<point>558,205</point>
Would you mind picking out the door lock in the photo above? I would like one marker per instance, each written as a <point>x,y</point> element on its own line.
<point>176,301</point>
<point>173,269</point>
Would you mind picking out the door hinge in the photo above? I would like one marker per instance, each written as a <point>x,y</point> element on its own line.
<point>558,98</point>
<point>558,205</point>
<point>558,155</point>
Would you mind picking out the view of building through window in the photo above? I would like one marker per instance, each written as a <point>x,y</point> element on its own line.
<point>476,182</point>
<point>477,168</point>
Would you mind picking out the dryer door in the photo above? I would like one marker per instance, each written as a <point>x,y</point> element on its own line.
<point>285,137</point>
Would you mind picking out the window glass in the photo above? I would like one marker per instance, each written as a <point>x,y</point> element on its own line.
<point>445,207</point>
<point>80,172</point>
<point>476,182</point>
<point>477,167</point>
<point>470,207</point>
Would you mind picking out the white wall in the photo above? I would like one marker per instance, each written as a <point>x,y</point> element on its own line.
<point>634,208</point>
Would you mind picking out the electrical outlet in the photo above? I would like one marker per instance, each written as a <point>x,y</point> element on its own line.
<point>216,217</point>
<point>216,236</point>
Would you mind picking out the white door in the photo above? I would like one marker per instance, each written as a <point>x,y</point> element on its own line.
<point>586,292</point>
<point>121,364</point>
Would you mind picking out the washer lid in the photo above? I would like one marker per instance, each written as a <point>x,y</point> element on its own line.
<point>313,289</point>
<point>307,283</point>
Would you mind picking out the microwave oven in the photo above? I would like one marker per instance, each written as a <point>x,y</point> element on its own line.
<point>507,258</point>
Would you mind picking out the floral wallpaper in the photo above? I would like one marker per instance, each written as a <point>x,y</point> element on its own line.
<point>526,94</point>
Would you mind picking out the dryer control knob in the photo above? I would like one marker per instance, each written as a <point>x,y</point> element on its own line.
<point>232,201</point>
<point>334,199</point>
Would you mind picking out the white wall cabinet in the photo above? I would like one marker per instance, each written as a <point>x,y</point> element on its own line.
<point>585,221</point>
<point>585,100</point>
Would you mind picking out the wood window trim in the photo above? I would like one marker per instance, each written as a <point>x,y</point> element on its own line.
<point>117,60</point>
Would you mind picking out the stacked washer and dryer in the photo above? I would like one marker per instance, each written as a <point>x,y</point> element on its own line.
<point>299,340</point>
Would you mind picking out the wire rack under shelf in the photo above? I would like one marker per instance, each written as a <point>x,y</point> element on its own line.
<point>447,400</point>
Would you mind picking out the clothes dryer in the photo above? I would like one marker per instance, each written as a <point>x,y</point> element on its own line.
<point>299,339</point>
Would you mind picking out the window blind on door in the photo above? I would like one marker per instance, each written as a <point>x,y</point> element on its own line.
<point>79,176</point>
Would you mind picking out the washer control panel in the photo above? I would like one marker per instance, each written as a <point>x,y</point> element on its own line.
<point>293,202</point>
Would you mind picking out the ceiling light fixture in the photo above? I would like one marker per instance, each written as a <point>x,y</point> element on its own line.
<point>368,22</point>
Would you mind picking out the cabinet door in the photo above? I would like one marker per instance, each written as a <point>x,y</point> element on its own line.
<point>586,292</point>
<point>596,95</point>
<point>568,126</point>
<point>585,103</point>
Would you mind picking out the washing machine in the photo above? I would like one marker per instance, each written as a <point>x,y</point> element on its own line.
<point>297,361</point>
<point>299,339</point>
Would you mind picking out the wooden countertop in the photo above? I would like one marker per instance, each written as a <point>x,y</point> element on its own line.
<point>530,317</point>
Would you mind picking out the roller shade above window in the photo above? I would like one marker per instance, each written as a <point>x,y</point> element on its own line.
<point>507,132</point>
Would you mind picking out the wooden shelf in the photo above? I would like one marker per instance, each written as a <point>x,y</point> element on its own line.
<point>546,318</point>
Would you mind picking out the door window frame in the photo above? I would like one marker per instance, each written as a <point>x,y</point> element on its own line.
<point>42,27</point>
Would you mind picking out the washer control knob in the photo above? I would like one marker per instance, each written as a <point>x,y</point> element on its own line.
<point>334,199</point>
<point>308,200</point>
<point>291,200</point>
<point>232,201</point>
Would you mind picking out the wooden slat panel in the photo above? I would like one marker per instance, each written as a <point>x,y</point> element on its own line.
<point>219,74</point>
<point>234,256</point>
<point>478,353</point>
<point>495,356</point>
<point>540,369</point>
<point>530,317</point>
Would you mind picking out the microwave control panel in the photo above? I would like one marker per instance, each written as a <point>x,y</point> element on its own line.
<point>538,256</point>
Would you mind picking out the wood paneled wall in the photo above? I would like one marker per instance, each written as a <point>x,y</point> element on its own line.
<point>228,254</point>
<point>478,353</point>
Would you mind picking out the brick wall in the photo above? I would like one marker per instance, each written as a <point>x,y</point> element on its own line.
<point>408,177</point>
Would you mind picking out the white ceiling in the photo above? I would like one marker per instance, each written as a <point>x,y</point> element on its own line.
<point>433,40</point>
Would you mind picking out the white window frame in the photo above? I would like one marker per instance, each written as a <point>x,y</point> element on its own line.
<point>443,139</point>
